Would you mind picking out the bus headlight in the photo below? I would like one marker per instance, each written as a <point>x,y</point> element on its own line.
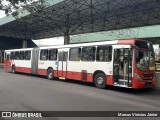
<point>138,77</point>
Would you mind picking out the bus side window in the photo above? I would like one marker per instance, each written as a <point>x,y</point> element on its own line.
<point>12,55</point>
<point>75,54</point>
<point>53,54</point>
<point>16,55</point>
<point>21,55</point>
<point>44,55</point>
<point>88,54</point>
<point>7,56</point>
<point>27,55</point>
<point>104,53</point>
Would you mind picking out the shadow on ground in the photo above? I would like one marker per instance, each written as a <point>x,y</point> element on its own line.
<point>112,88</point>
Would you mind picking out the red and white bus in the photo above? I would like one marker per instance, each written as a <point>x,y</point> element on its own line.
<point>126,63</point>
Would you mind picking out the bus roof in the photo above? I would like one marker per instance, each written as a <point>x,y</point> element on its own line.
<point>23,49</point>
<point>113,42</point>
<point>82,44</point>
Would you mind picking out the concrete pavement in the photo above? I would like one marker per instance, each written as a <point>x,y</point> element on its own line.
<point>23,92</point>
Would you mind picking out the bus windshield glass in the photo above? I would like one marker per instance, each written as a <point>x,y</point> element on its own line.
<point>145,60</point>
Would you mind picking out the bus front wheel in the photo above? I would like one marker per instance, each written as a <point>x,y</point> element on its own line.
<point>50,73</point>
<point>13,69</point>
<point>100,80</point>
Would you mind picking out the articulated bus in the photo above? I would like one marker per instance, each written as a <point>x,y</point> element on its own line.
<point>125,63</point>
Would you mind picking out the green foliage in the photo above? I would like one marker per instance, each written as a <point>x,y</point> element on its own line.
<point>15,7</point>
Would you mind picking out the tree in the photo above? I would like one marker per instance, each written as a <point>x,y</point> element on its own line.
<point>14,7</point>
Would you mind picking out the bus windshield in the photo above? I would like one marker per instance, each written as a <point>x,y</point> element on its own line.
<point>145,60</point>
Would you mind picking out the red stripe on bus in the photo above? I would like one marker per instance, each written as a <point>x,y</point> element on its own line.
<point>129,41</point>
<point>23,70</point>
<point>109,80</point>
<point>42,72</point>
<point>7,65</point>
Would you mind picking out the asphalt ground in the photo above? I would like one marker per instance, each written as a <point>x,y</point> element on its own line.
<point>23,92</point>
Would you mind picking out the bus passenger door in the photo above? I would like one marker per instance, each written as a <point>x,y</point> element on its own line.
<point>62,64</point>
<point>122,65</point>
<point>34,61</point>
<point>116,66</point>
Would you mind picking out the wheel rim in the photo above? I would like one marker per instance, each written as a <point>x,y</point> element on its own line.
<point>50,75</point>
<point>100,80</point>
<point>13,70</point>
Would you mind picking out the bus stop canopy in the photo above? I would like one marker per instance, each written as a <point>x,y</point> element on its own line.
<point>71,17</point>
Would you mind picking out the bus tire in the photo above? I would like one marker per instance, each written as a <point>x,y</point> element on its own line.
<point>13,69</point>
<point>50,74</point>
<point>100,80</point>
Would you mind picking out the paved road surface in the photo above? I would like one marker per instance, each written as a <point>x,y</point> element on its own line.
<point>22,92</point>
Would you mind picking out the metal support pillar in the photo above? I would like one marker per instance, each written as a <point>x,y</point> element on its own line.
<point>1,57</point>
<point>24,44</point>
<point>66,39</point>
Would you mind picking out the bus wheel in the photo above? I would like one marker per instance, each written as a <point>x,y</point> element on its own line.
<point>13,69</point>
<point>100,80</point>
<point>50,73</point>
